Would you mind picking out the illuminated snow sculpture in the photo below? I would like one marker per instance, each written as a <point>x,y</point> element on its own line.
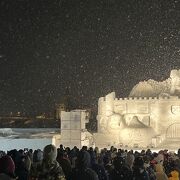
<point>137,133</point>
<point>148,117</point>
<point>73,131</point>
<point>119,128</point>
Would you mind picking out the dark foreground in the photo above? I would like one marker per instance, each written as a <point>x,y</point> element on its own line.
<point>88,163</point>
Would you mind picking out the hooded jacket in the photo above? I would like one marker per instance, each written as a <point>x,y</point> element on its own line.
<point>174,175</point>
<point>7,166</point>
<point>83,170</point>
<point>139,172</point>
<point>121,171</point>
<point>160,174</point>
<point>49,169</point>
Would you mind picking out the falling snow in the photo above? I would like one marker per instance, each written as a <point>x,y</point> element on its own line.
<point>89,47</point>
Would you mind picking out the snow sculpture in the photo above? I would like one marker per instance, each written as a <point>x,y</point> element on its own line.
<point>136,133</point>
<point>151,88</point>
<point>73,131</point>
<point>175,82</point>
<point>149,117</point>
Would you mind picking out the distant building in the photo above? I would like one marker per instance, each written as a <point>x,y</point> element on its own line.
<point>65,104</point>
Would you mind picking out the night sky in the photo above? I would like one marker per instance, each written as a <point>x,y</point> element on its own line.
<point>91,47</point>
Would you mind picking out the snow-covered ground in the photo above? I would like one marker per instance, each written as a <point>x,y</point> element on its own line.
<point>18,138</point>
<point>27,138</point>
<point>27,132</point>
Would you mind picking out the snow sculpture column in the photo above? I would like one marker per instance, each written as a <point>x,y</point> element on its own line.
<point>73,132</point>
<point>175,81</point>
<point>105,109</point>
<point>110,104</point>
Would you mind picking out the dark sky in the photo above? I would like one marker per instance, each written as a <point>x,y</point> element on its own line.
<point>92,47</point>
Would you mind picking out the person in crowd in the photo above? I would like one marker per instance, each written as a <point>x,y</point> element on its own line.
<point>7,168</point>
<point>120,171</point>
<point>23,165</point>
<point>67,151</point>
<point>83,170</point>
<point>160,173</point>
<point>139,171</point>
<point>130,159</point>
<point>61,147</point>
<point>136,154</point>
<point>73,156</point>
<point>37,160</point>
<point>148,152</point>
<point>149,167</point>
<point>92,154</point>
<point>30,154</point>
<point>143,152</point>
<point>2,153</point>
<point>178,153</point>
<point>174,175</point>
<point>107,163</point>
<point>173,168</point>
<point>114,153</point>
<point>89,164</point>
<point>177,165</point>
<point>49,169</point>
<point>160,157</point>
<point>97,166</point>
<point>97,152</point>
<point>65,163</point>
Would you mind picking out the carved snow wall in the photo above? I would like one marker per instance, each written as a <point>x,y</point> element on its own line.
<point>140,120</point>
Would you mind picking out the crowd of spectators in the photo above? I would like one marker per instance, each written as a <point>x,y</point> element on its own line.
<point>64,163</point>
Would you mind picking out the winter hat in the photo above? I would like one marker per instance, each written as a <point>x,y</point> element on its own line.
<point>7,165</point>
<point>83,159</point>
<point>37,155</point>
<point>50,153</point>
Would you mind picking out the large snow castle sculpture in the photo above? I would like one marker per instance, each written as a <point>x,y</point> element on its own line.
<point>147,118</point>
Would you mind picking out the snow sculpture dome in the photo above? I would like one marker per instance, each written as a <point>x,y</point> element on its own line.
<point>152,88</point>
<point>164,95</point>
<point>142,89</point>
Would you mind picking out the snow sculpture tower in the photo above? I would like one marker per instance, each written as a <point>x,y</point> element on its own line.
<point>175,82</point>
<point>105,109</point>
<point>73,131</point>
